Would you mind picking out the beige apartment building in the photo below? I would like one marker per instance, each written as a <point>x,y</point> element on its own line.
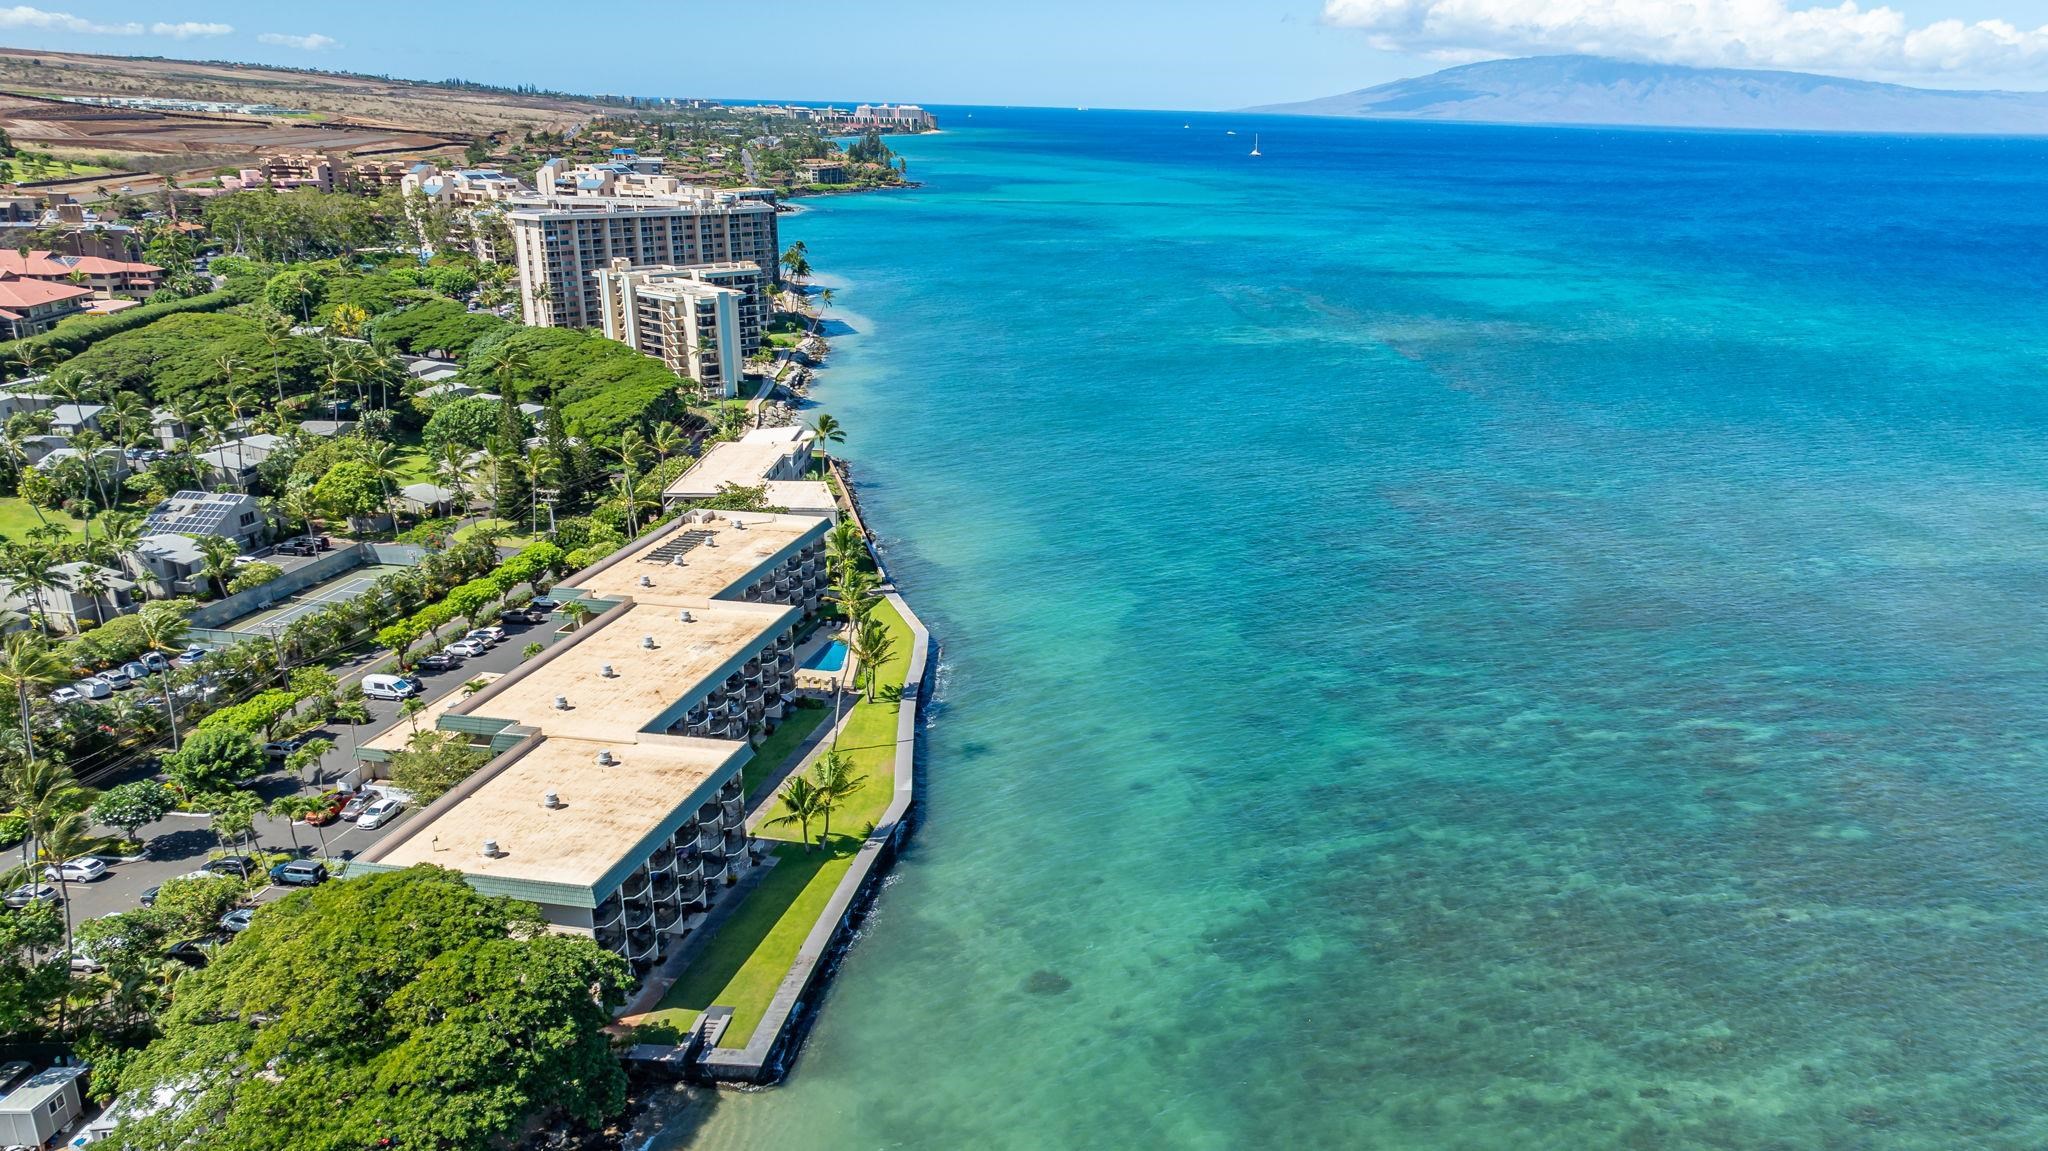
<point>298,170</point>
<point>614,798</point>
<point>702,321</point>
<point>563,242</point>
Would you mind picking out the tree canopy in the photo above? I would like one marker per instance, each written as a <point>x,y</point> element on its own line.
<point>178,358</point>
<point>401,1009</point>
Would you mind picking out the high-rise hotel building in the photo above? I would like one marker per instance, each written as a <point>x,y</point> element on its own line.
<point>564,241</point>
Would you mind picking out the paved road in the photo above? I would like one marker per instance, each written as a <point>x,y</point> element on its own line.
<point>179,844</point>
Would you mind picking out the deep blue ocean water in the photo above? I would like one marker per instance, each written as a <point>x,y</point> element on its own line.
<point>1455,637</point>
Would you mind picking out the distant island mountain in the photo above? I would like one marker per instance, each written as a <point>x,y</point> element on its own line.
<point>1596,90</point>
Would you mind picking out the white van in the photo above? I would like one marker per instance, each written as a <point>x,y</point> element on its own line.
<point>389,687</point>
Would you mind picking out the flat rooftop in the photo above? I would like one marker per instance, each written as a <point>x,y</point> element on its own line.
<point>395,737</point>
<point>719,555</point>
<point>739,463</point>
<point>646,682</point>
<point>606,810</point>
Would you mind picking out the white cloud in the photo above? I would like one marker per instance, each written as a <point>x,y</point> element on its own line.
<point>1876,42</point>
<point>187,29</point>
<point>23,16</point>
<point>311,42</point>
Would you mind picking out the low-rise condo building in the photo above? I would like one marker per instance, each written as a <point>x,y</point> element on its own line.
<point>31,307</point>
<point>103,276</point>
<point>563,241</point>
<point>298,170</point>
<point>760,456</point>
<point>614,801</point>
<point>702,321</point>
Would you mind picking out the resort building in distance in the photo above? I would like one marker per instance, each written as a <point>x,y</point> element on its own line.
<point>562,242</point>
<point>615,801</point>
<point>702,320</point>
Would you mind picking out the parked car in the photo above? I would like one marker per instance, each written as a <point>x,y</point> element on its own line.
<point>155,662</point>
<point>188,657</point>
<point>82,960</point>
<point>356,804</point>
<point>521,615</point>
<point>379,813</point>
<point>95,687</point>
<point>149,895</point>
<point>543,604</point>
<point>237,920</point>
<point>192,953</point>
<point>29,893</point>
<point>239,866</point>
<point>137,670</point>
<point>116,679</point>
<point>489,635</point>
<point>299,873</point>
<point>84,869</point>
<point>279,748</point>
<point>389,687</point>
<point>64,695</point>
<point>439,661</point>
<point>467,648</point>
<point>330,809</point>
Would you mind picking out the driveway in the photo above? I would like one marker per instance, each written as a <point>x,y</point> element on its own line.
<point>179,844</point>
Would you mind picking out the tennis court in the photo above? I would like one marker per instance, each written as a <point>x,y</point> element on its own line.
<point>345,586</point>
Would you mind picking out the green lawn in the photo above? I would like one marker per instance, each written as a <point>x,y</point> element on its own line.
<point>799,723</point>
<point>17,518</point>
<point>746,961</point>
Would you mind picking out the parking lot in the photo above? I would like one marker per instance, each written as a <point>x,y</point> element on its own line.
<point>180,844</point>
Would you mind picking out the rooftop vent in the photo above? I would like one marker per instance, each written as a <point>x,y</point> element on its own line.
<point>607,672</point>
<point>491,849</point>
<point>646,581</point>
<point>686,617</point>
<point>553,799</point>
<point>561,703</point>
<point>710,541</point>
<point>681,562</point>
<point>739,525</point>
<point>647,641</point>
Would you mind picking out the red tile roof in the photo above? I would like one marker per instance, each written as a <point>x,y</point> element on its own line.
<point>16,292</point>
<point>42,265</point>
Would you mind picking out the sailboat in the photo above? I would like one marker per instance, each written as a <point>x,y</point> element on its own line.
<point>1255,143</point>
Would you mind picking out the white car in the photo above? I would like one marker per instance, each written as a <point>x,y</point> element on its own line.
<point>467,648</point>
<point>488,635</point>
<point>379,813</point>
<point>95,687</point>
<point>237,920</point>
<point>84,869</point>
<point>64,695</point>
<point>82,961</point>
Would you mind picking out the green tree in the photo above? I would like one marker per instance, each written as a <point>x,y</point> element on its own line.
<point>873,646</point>
<point>469,423</point>
<point>447,1019</point>
<point>34,972</point>
<point>350,489</point>
<point>192,905</point>
<point>829,430</point>
<point>129,806</point>
<point>217,560</point>
<point>836,782</point>
<point>214,759</point>
<point>801,803</point>
<point>28,668</point>
<point>431,762</point>
<point>253,575</point>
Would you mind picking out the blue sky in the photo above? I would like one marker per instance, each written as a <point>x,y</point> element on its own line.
<point>1109,53</point>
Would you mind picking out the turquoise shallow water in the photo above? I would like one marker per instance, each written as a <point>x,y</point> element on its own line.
<point>1454,637</point>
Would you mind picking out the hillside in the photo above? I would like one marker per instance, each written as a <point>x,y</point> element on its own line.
<point>333,101</point>
<point>1594,90</point>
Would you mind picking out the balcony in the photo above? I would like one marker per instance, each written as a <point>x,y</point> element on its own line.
<point>667,916</point>
<point>661,863</point>
<point>735,844</point>
<point>708,813</point>
<point>664,889</point>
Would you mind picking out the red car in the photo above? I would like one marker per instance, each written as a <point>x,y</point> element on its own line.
<point>331,804</point>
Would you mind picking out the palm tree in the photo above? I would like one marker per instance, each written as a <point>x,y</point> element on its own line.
<point>291,809</point>
<point>91,581</point>
<point>836,783</point>
<point>828,431</point>
<point>277,328</point>
<point>164,631</point>
<point>668,439</point>
<point>845,547</point>
<point>121,532</point>
<point>453,469</point>
<point>39,792</point>
<point>64,840</point>
<point>32,571</point>
<point>577,611</point>
<point>801,803</point>
<point>872,645</point>
<point>219,554</point>
<point>504,365</point>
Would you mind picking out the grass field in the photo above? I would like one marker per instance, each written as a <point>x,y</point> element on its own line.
<point>746,961</point>
<point>17,519</point>
<point>800,723</point>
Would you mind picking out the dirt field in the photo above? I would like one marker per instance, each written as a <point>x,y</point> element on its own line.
<point>359,115</point>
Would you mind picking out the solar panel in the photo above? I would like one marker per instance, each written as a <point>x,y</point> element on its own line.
<point>682,544</point>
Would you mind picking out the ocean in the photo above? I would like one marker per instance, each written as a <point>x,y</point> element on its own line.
<point>1454,637</point>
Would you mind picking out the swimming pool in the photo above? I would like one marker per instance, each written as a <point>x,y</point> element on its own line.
<point>831,657</point>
